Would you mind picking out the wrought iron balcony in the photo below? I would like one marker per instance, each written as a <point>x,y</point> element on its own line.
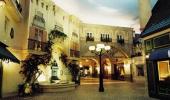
<point>106,39</point>
<point>36,45</point>
<point>39,21</point>
<point>121,41</point>
<point>74,53</point>
<point>89,38</point>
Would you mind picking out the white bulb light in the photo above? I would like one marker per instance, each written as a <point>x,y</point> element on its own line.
<point>107,47</point>
<point>2,3</point>
<point>91,48</point>
<point>98,49</point>
<point>100,46</point>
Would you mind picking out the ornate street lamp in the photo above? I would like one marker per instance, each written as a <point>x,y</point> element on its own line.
<point>99,50</point>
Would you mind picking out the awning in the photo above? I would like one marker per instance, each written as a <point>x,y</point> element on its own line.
<point>160,54</point>
<point>6,54</point>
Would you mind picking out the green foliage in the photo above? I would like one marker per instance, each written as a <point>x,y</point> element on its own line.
<point>57,34</point>
<point>29,68</point>
<point>64,59</point>
<point>74,69</point>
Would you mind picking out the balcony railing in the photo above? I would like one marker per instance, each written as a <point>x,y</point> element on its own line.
<point>37,45</point>
<point>137,54</point>
<point>74,53</point>
<point>39,21</point>
<point>89,38</point>
<point>121,41</point>
<point>106,39</point>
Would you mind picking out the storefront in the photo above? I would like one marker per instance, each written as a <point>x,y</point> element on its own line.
<point>158,71</point>
<point>156,36</point>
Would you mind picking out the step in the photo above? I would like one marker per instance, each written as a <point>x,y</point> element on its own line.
<point>57,87</point>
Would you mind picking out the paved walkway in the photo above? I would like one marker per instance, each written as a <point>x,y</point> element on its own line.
<point>113,91</point>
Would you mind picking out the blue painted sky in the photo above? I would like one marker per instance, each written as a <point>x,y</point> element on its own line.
<point>108,12</point>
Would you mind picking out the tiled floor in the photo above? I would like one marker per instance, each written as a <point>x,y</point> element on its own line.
<point>113,91</point>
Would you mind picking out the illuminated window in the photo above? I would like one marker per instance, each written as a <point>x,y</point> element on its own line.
<point>163,70</point>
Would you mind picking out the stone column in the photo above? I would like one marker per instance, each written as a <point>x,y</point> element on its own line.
<point>144,12</point>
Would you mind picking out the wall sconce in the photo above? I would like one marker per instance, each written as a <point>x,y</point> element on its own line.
<point>5,60</point>
<point>2,3</point>
<point>147,56</point>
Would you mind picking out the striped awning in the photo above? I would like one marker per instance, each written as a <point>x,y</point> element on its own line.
<point>6,54</point>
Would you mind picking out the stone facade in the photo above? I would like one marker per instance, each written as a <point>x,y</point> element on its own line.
<point>35,21</point>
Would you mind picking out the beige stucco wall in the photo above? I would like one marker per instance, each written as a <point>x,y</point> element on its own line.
<point>69,23</point>
<point>113,31</point>
<point>144,12</point>
<point>65,21</point>
<point>17,45</point>
<point>97,30</point>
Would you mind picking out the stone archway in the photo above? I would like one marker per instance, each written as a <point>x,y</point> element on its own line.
<point>118,60</point>
<point>89,67</point>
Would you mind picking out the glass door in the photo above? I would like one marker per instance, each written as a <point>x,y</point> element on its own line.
<point>164,76</point>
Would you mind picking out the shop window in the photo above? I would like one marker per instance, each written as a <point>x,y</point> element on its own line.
<point>164,76</point>
<point>163,70</point>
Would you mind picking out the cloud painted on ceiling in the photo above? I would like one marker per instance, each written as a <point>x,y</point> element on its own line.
<point>107,12</point>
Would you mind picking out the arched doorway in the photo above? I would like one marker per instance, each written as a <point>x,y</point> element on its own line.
<point>89,67</point>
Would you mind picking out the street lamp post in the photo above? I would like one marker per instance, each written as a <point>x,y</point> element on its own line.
<point>99,50</point>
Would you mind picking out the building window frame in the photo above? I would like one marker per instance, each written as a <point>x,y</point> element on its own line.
<point>42,4</point>
<point>148,45</point>
<point>37,2</point>
<point>47,7</point>
<point>6,25</point>
<point>163,40</point>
